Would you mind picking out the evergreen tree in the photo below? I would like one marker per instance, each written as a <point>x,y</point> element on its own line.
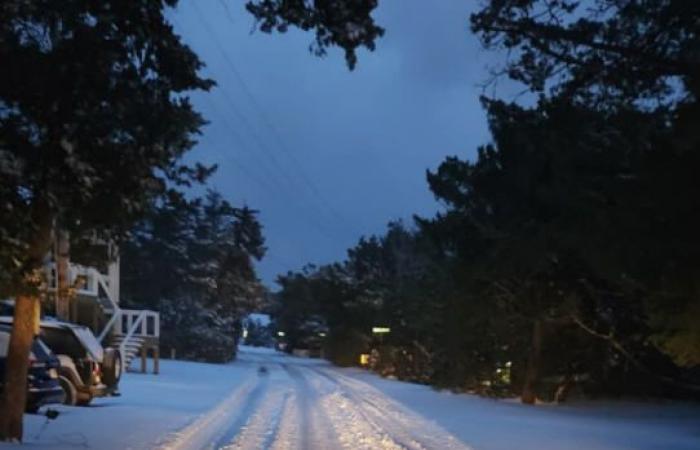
<point>346,24</point>
<point>640,61</point>
<point>93,121</point>
<point>193,261</point>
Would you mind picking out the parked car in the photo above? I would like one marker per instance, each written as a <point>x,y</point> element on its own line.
<point>43,387</point>
<point>87,369</point>
<point>7,307</point>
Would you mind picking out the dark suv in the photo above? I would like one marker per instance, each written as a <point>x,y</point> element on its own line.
<point>43,387</point>
<point>87,369</point>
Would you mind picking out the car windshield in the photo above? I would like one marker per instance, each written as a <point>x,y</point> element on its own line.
<point>63,342</point>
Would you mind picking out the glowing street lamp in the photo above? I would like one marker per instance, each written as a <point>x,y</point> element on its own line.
<point>381,331</point>
<point>280,333</point>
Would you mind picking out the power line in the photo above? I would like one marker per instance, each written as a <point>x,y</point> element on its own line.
<point>269,183</point>
<point>227,97</point>
<point>265,119</point>
<point>232,130</point>
<point>237,163</point>
<point>263,183</point>
<point>227,11</point>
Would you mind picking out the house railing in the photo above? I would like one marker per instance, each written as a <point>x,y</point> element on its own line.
<point>139,323</point>
<point>143,322</point>
<point>122,322</point>
<point>92,281</point>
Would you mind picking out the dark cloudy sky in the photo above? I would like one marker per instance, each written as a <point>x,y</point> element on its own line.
<point>327,154</point>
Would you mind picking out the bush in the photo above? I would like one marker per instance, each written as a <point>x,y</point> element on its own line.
<point>344,347</point>
<point>197,333</point>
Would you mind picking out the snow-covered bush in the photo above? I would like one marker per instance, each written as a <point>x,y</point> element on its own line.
<point>196,332</point>
<point>192,261</point>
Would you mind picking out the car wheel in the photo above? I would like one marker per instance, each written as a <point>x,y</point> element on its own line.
<point>112,367</point>
<point>69,390</point>
<point>84,400</point>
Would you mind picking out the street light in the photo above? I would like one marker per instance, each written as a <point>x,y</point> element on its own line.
<point>381,331</point>
<point>280,333</point>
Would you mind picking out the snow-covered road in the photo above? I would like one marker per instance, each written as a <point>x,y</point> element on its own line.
<point>309,404</point>
<point>302,404</point>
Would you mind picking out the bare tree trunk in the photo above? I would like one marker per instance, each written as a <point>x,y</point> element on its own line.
<point>63,300</point>
<point>25,326</point>
<point>563,389</point>
<point>529,395</point>
<point>14,399</point>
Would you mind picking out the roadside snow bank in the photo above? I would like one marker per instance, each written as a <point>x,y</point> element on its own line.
<point>150,410</point>
<point>486,424</point>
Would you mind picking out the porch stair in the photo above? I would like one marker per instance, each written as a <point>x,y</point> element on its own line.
<point>131,347</point>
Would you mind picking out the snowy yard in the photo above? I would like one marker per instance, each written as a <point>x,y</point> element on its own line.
<point>302,404</point>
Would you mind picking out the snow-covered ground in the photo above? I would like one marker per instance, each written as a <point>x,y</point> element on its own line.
<point>308,404</point>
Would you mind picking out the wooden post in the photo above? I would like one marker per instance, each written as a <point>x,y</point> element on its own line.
<point>63,300</point>
<point>156,360</point>
<point>144,354</point>
<point>73,316</point>
<point>113,272</point>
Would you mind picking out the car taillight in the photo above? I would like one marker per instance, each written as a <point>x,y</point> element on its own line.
<point>96,373</point>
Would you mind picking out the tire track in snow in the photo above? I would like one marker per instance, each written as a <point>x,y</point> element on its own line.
<point>299,405</point>
<point>371,415</point>
<point>302,405</point>
<point>315,428</point>
<point>353,428</point>
<point>288,434</point>
<point>242,416</point>
<point>262,424</point>
<point>208,428</point>
<point>407,428</point>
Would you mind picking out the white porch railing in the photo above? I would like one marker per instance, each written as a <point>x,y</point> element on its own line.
<point>126,323</point>
<point>93,281</point>
<point>132,323</point>
<point>138,322</point>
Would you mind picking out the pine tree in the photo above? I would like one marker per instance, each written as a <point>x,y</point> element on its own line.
<point>94,119</point>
